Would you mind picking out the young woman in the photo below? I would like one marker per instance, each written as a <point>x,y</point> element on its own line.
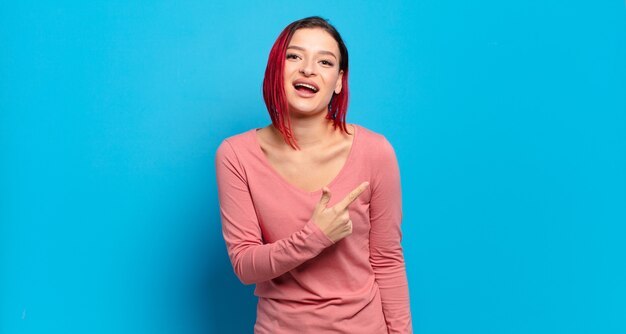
<point>311,206</point>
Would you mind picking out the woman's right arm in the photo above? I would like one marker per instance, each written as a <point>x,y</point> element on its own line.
<point>252,260</point>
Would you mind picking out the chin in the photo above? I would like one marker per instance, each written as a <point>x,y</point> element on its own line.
<point>304,109</point>
<point>307,109</point>
<point>303,113</point>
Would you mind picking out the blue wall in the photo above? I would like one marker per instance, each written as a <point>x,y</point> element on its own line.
<point>508,119</point>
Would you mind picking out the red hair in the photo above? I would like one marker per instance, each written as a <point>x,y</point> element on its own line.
<point>274,84</point>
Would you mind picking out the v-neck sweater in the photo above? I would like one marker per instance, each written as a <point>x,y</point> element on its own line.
<point>305,282</point>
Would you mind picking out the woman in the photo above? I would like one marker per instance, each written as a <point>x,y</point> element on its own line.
<point>311,206</point>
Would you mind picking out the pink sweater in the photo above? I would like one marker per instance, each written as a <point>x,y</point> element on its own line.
<point>304,281</point>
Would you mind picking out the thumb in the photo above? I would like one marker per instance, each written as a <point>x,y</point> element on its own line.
<point>324,199</point>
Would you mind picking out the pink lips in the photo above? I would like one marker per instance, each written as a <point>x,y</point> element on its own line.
<point>306,93</point>
<point>308,82</point>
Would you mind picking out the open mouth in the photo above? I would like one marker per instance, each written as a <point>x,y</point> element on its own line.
<point>305,88</point>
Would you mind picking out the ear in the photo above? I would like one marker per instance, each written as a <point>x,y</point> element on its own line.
<point>338,85</point>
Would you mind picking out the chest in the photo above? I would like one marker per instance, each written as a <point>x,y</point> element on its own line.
<point>309,171</point>
<point>286,186</point>
<point>283,209</point>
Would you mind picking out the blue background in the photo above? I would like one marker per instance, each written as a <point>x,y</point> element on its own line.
<point>508,119</point>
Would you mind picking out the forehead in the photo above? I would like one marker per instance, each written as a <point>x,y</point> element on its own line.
<point>314,39</point>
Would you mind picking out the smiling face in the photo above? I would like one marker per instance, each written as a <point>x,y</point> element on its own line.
<point>312,72</point>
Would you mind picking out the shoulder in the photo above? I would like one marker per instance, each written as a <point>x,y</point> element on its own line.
<point>236,146</point>
<point>245,138</point>
<point>235,153</point>
<point>374,142</point>
<point>379,156</point>
<point>238,141</point>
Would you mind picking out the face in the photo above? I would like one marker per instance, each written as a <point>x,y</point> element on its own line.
<point>312,72</point>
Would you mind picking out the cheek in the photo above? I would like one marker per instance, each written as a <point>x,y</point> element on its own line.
<point>332,80</point>
<point>291,66</point>
<point>287,71</point>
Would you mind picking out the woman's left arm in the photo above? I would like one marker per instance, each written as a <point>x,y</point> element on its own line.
<point>386,254</point>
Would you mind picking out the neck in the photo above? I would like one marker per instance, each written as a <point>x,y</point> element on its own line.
<point>311,131</point>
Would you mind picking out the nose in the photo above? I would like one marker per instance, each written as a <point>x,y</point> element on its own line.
<point>307,68</point>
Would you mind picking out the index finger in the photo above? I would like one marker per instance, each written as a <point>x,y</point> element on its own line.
<point>354,194</point>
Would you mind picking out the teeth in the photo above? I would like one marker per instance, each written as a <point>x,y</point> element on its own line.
<point>306,85</point>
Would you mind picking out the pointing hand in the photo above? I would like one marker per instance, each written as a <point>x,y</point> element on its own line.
<point>335,221</point>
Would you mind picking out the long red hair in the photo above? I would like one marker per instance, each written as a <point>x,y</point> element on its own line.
<point>273,83</point>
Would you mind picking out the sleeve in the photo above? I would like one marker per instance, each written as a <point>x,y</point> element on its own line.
<point>252,260</point>
<point>386,254</point>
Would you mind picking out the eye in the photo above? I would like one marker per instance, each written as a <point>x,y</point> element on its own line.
<point>326,63</point>
<point>292,56</point>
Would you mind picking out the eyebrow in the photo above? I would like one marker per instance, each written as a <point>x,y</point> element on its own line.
<point>320,52</point>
